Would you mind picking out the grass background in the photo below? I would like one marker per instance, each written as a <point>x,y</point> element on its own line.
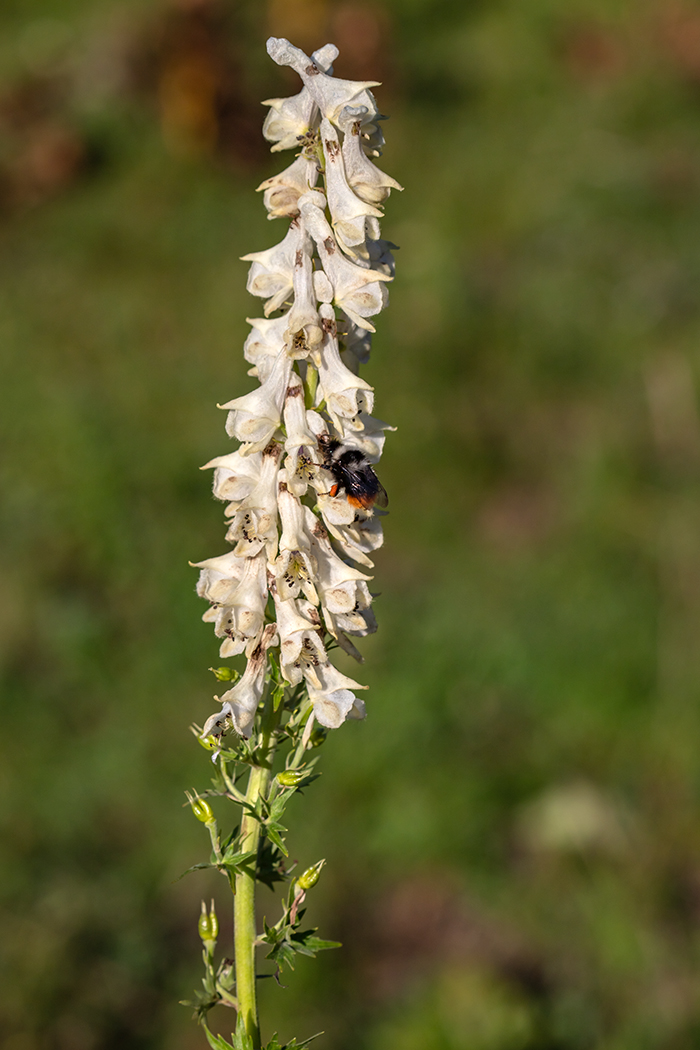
<point>512,836</point>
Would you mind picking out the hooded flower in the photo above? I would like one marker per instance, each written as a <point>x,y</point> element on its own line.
<point>368,182</point>
<point>263,345</point>
<point>255,417</point>
<point>301,446</point>
<point>295,567</point>
<point>357,291</point>
<point>352,218</point>
<point>281,192</point>
<point>240,703</point>
<point>304,325</point>
<point>330,94</point>
<point>272,274</point>
<point>346,394</point>
<point>239,619</point>
<point>291,118</point>
<point>254,523</point>
<point>331,694</point>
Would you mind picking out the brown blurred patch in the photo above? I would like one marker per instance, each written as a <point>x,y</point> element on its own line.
<point>591,52</point>
<point>362,34</point>
<point>425,922</point>
<point>187,61</point>
<point>678,35</point>
<point>304,22</point>
<point>44,151</point>
<point>517,515</point>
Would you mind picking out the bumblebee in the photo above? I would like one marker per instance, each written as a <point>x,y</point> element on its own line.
<point>352,475</point>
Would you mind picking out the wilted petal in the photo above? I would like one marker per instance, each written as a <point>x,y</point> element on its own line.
<point>256,416</point>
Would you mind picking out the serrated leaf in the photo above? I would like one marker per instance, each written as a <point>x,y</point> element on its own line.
<point>241,1039</point>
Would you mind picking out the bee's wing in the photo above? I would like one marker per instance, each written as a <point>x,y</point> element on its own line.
<point>382,499</point>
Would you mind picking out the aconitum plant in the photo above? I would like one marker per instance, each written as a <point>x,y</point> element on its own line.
<point>303,505</point>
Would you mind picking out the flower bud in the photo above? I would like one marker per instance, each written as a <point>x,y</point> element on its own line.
<point>310,877</point>
<point>201,809</point>
<point>208,926</point>
<point>224,674</point>
<point>289,778</point>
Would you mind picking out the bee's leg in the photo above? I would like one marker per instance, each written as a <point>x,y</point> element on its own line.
<point>334,490</point>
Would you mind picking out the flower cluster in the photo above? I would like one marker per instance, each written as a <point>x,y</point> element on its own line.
<point>300,489</point>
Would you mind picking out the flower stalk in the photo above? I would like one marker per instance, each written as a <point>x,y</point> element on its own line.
<point>303,509</point>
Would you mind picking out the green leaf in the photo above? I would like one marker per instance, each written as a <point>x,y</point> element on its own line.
<point>241,1039</point>
<point>217,1042</point>
<point>273,834</point>
<point>195,867</point>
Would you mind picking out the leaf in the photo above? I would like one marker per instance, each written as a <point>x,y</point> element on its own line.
<point>195,867</point>
<point>273,834</point>
<point>306,944</point>
<point>241,1039</point>
<point>216,1042</point>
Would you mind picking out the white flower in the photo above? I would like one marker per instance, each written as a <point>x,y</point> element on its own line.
<point>219,577</point>
<point>368,182</point>
<point>356,340</point>
<point>295,567</point>
<point>346,394</point>
<point>301,445</point>
<point>240,703</point>
<point>254,522</point>
<point>263,345</point>
<point>291,118</point>
<point>366,433</point>
<point>331,695</point>
<point>359,292</point>
<point>353,219</point>
<point>304,325</point>
<point>281,192</point>
<point>235,475</point>
<point>239,620</point>
<point>356,533</point>
<point>342,588</point>
<point>330,94</point>
<point>256,416</point>
<point>301,647</point>
<point>271,275</point>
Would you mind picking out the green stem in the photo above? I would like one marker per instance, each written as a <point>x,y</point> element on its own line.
<point>245,932</point>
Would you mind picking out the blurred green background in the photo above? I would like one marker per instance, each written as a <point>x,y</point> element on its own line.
<point>512,836</point>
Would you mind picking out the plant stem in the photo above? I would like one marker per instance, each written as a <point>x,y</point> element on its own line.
<point>245,931</point>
